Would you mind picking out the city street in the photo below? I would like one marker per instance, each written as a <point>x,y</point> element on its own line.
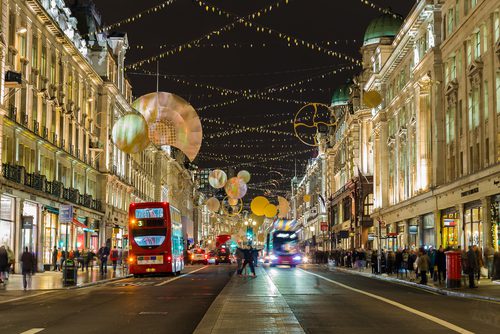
<point>321,301</point>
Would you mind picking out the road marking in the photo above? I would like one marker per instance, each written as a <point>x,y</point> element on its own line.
<point>396,304</point>
<point>33,331</point>
<point>179,277</point>
<point>24,297</point>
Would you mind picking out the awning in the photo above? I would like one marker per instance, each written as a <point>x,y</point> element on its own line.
<point>79,224</point>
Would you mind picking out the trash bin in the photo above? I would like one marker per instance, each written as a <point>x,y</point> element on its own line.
<point>69,272</point>
<point>453,269</point>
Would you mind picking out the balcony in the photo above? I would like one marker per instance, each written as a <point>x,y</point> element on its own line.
<point>36,126</point>
<point>71,194</point>
<point>13,172</point>
<point>24,119</point>
<point>12,112</point>
<point>53,188</point>
<point>35,181</point>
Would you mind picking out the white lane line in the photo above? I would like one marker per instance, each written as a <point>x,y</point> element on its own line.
<point>396,304</point>
<point>33,331</point>
<point>23,297</point>
<point>179,277</point>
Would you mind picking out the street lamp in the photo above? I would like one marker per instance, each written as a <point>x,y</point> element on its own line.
<point>254,223</point>
<point>246,222</point>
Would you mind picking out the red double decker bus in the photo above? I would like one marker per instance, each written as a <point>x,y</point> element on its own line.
<point>155,239</point>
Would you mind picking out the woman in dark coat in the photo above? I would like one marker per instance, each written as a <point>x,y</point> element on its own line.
<point>28,267</point>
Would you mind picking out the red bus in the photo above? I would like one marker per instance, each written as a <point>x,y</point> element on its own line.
<point>155,239</point>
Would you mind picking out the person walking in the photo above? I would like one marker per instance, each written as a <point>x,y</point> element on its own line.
<point>114,257</point>
<point>373,262</point>
<point>89,261</point>
<point>248,259</point>
<point>441,264</point>
<point>398,263</point>
<point>4,264</point>
<point>488,260</point>
<point>28,264</point>
<point>103,254</point>
<point>62,259</point>
<point>54,258</point>
<point>480,261</point>
<point>472,266</point>
<point>423,266</point>
<point>239,253</point>
<point>405,255</point>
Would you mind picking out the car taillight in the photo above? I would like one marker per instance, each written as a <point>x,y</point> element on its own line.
<point>169,258</point>
<point>206,256</point>
<point>131,259</point>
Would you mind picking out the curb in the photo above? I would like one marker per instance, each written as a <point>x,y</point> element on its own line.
<point>416,285</point>
<point>86,285</point>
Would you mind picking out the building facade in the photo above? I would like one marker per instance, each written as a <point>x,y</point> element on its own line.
<point>436,133</point>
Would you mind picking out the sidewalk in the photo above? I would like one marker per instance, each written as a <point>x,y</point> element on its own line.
<point>488,290</point>
<point>249,305</point>
<point>50,280</point>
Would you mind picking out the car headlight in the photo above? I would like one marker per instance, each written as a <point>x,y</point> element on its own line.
<point>297,258</point>
<point>273,257</point>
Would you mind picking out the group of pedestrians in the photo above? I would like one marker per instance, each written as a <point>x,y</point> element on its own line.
<point>85,258</point>
<point>246,256</point>
<point>28,265</point>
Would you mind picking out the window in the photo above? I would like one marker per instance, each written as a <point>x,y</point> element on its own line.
<point>457,13</point>
<point>453,68</point>
<point>485,101</point>
<point>468,47</point>
<point>450,124</point>
<point>477,44</point>
<point>34,52</point>
<point>484,31</point>
<point>44,61</point>
<point>496,28</point>
<point>451,21</point>
<point>53,69</point>
<point>368,205</point>
<point>12,28</point>
<point>498,92</point>
<point>22,45</point>
<point>460,117</point>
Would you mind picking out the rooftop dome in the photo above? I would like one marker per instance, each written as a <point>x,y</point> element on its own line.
<point>386,25</point>
<point>341,96</point>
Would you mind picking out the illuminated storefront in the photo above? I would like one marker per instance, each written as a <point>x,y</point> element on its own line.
<point>473,224</point>
<point>7,214</point>
<point>495,222</point>
<point>29,224</point>
<point>49,234</point>
<point>450,222</point>
<point>428,237</point>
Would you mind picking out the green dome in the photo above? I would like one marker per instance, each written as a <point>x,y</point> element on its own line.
<point>387,25</point>
<point>341,96</point>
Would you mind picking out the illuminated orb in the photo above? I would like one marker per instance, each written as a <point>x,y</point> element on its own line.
<point>258,204</point>
<point>372,99</point>
<point>213,204</point>
<point>233,201</point>
<point>235,188</point>
<point>130,133</point>
<point>244,175</point>
<point>270,210</point>
<point>217,178</point>
<point>307,198</point>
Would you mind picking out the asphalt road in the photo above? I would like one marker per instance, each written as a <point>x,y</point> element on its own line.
<point>322,306</point>
<point>133,305</point>
<point>321,300</point>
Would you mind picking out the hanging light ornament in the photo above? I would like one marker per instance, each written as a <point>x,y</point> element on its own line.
<point>244,176</point>
<point>217,178</point>
<point>235,188</point>
<point>130,133</point>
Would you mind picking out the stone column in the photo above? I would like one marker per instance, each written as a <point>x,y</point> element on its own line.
<point>461,234</point>
<point>486,219</point>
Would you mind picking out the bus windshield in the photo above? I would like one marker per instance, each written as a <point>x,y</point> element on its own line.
<point>149,237</point>
<point>285,243</point>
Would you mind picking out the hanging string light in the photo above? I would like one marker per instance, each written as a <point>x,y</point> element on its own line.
<point>380,9</point>
<point>292,40</point>
<point>188,45</point>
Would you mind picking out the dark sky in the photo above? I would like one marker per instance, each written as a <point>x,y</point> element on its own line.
<point>254,61</point>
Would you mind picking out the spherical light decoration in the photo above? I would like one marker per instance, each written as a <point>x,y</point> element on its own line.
<point>372,99</point>
<point>232,201</point>
<point>130,133</point>
<point>235,188</point>
<point>307,198</point>
<point>270,210</point>
<point>258,204</point>
<point>283,207</point>
<point>213,204</point>
<point>217,178</point>
<point>244,175</point>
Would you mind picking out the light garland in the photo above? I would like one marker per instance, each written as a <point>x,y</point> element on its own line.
<point>292,40</point>
<point>136,17</point>
<point>190,44</point>
<point>380,9</point>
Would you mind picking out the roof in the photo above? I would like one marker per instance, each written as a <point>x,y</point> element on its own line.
<point>386,25</point>
<point>340,96</point>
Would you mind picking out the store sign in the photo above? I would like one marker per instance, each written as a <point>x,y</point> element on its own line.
<point>371,236</point>
<point>449,222</point>
<point>65,213</point>
<point>413,229</point>
<point>324,226</point>
<point>27,222</point>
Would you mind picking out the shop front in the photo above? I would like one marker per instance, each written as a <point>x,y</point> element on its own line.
<point>413,233</point>
<point>450,222</point>
<point>401,235</point>
<point>429,231</point>
<point>473,225</point>
<point>495,222</point>
<point>7,221</point>
<point>50,216</point>
<point>29,225</point>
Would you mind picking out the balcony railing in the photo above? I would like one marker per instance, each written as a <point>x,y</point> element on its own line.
<point>39,182</point>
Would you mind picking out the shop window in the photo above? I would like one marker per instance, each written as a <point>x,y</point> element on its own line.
<point>7,211</point>
<point>429,230</point>
<point>368,205</point>
<point>450,224</point>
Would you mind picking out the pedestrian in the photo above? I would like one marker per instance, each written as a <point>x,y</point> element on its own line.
<point>28,267</point>
<point>398,263</point>
<point>480,262</point>
<point>248,259</point>
<point>12,260</point>
<point>472,266</point>
<point>102,255</point>
<point>405,256</point>
<point>373,262</point>
<point>495,275</point>
<point>488,260</point>
<point>255,257</point>
<point>4,264</point>
<point>62,259</point>
<point>441,264</point>
<point>239,257</point>
<point>423,266</point>
<point>82,259</point>
<point>54,258</point>
<point>114,257</point>
<point>90,260</point>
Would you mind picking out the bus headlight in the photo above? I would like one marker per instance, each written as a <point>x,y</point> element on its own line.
<point>273,257</point>
<point>297,258</point>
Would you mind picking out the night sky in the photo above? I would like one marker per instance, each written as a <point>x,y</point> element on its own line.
<point>247,62</point>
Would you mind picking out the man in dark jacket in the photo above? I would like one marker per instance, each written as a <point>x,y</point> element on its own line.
<point>4,264</point>
<point>28,267</point>
<point>103,254</point>
<point>441,264</point>
<point>472,266</point>
<point>54,258</point>
<point>248,259</point>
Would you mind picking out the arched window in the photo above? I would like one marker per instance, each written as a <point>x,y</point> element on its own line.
<point>368,205</point>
